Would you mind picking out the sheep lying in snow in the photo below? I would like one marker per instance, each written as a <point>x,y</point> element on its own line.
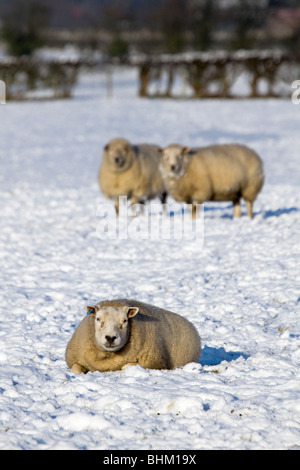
<point>123,332</point>
<point>226,172</point>
<point>132,171</point>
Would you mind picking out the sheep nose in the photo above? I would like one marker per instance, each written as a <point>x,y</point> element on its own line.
<point>173,167</point>
<point>110,339</point>
<point>119,160</point>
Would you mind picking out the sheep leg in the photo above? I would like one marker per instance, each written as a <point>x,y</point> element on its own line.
<point>237,208</point>
<point>163,197</point>
<point>142,204</point>
<point>137,207</point>
<point>78,369</point>
<point>194,210</point>
<point>249,209</point>
<point>116,203</point>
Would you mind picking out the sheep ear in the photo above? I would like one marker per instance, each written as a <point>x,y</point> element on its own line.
<point>106,147</point>
<point>160,150</point>
<point>131,311</point>
<point>186,149</point>
<point>90,310</point>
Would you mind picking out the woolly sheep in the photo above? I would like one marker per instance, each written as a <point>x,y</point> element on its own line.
<point>226,172</point>
<point>132,171</point>
<point>124,332</point>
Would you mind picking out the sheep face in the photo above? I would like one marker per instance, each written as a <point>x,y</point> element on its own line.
<point>174,160</point>
<point>112,326</point>
<point>119,155</point>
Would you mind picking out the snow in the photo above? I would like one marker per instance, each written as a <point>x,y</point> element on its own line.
<point>239,284</point>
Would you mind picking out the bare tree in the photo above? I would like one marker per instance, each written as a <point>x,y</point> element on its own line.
<point>23,24</point>
<point>249,15</point>
<point>202,14</point>
<point>172,18</point>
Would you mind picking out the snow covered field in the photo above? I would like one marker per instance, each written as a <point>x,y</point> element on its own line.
<point>240,285</point>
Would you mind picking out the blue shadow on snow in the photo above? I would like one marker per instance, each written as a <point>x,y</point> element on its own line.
<point>279,212</point>
<point>214,356</point>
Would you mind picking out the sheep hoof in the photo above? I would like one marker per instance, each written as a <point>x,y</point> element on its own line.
<point>77,369</point>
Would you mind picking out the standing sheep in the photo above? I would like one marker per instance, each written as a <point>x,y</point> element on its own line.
<point>122,332</point>
<point>226,172</point>
<point>132,171</point>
